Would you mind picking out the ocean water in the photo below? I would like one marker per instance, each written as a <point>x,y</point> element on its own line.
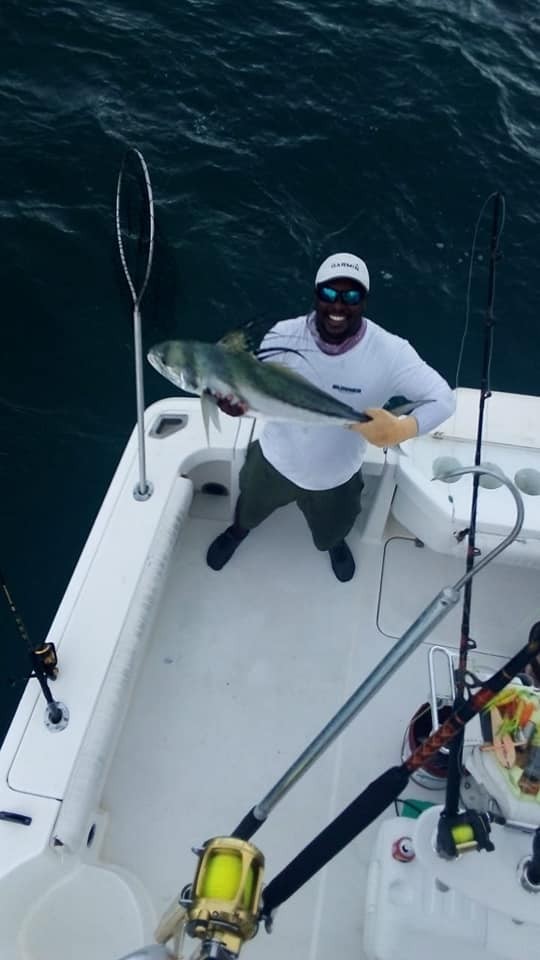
<point>275,134</point>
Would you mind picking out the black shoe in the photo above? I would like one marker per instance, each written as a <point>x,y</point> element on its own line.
<point>222,548</point>
<point>342,561</point>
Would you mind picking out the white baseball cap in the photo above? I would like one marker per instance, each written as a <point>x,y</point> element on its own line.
<point>343,265</point>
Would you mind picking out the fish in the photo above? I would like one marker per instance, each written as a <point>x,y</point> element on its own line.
<point>215,371</point>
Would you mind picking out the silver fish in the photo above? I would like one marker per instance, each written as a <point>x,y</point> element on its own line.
<point>215,371</point>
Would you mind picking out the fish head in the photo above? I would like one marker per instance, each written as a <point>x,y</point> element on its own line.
<point>175,360</point>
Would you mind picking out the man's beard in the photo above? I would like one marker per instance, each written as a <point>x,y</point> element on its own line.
<point>337,338</point>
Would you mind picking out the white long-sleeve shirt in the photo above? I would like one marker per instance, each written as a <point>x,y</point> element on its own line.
<point>380,366</point>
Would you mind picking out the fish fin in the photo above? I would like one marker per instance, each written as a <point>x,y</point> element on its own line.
<point>234,340</point>
<point>209,412</point>
<point>214,416</point>
<point>248,336</point>
<point>396,403</point>
<point>216,421</point>
<point>264,353</point>
<point>397,448</point>
<point>401,406</point>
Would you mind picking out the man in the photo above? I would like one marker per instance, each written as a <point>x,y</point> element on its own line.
<point>319,467</point>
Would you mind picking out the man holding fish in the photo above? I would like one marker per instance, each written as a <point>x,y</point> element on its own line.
<point>336,367</point>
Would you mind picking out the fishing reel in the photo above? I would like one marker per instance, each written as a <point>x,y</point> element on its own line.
<point>222,906</point>
<point>465,832</point>
<point>46,658</point>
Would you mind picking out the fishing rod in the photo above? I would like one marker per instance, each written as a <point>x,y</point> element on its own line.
<point>380,793</point>
<point>143,489</point>
<point>453,783</point>
<point>225,904</point>
<point>43,659</point>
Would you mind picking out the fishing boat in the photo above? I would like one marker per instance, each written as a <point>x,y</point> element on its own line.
<point>222,761</point>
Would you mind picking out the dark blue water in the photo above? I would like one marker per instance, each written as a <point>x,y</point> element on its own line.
<point>275,133</point>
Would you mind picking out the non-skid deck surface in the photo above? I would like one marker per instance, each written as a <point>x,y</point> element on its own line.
<point>244,668</point>
<point>505,599</point>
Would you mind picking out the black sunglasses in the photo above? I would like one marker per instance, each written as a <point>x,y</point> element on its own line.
<point>351,298</point>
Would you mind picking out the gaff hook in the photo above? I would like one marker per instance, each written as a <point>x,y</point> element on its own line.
<point>143,488</point>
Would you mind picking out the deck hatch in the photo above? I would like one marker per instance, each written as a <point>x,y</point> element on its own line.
<point>167,424</point>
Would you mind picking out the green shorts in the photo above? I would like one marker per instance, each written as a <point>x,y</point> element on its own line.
<point>330,513</point>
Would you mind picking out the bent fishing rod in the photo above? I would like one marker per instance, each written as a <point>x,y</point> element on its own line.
<point>453,782</point>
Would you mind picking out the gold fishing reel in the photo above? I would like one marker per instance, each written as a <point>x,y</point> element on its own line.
<point>46,654</point>
<point>222,906</point>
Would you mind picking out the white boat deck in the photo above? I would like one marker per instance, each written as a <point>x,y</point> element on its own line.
<point>197,704</point>
<point>226,702</point>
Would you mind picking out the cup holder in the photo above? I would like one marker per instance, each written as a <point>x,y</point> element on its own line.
<point>528,481</point>
<point>442,465</point>
<point>487,482</point>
